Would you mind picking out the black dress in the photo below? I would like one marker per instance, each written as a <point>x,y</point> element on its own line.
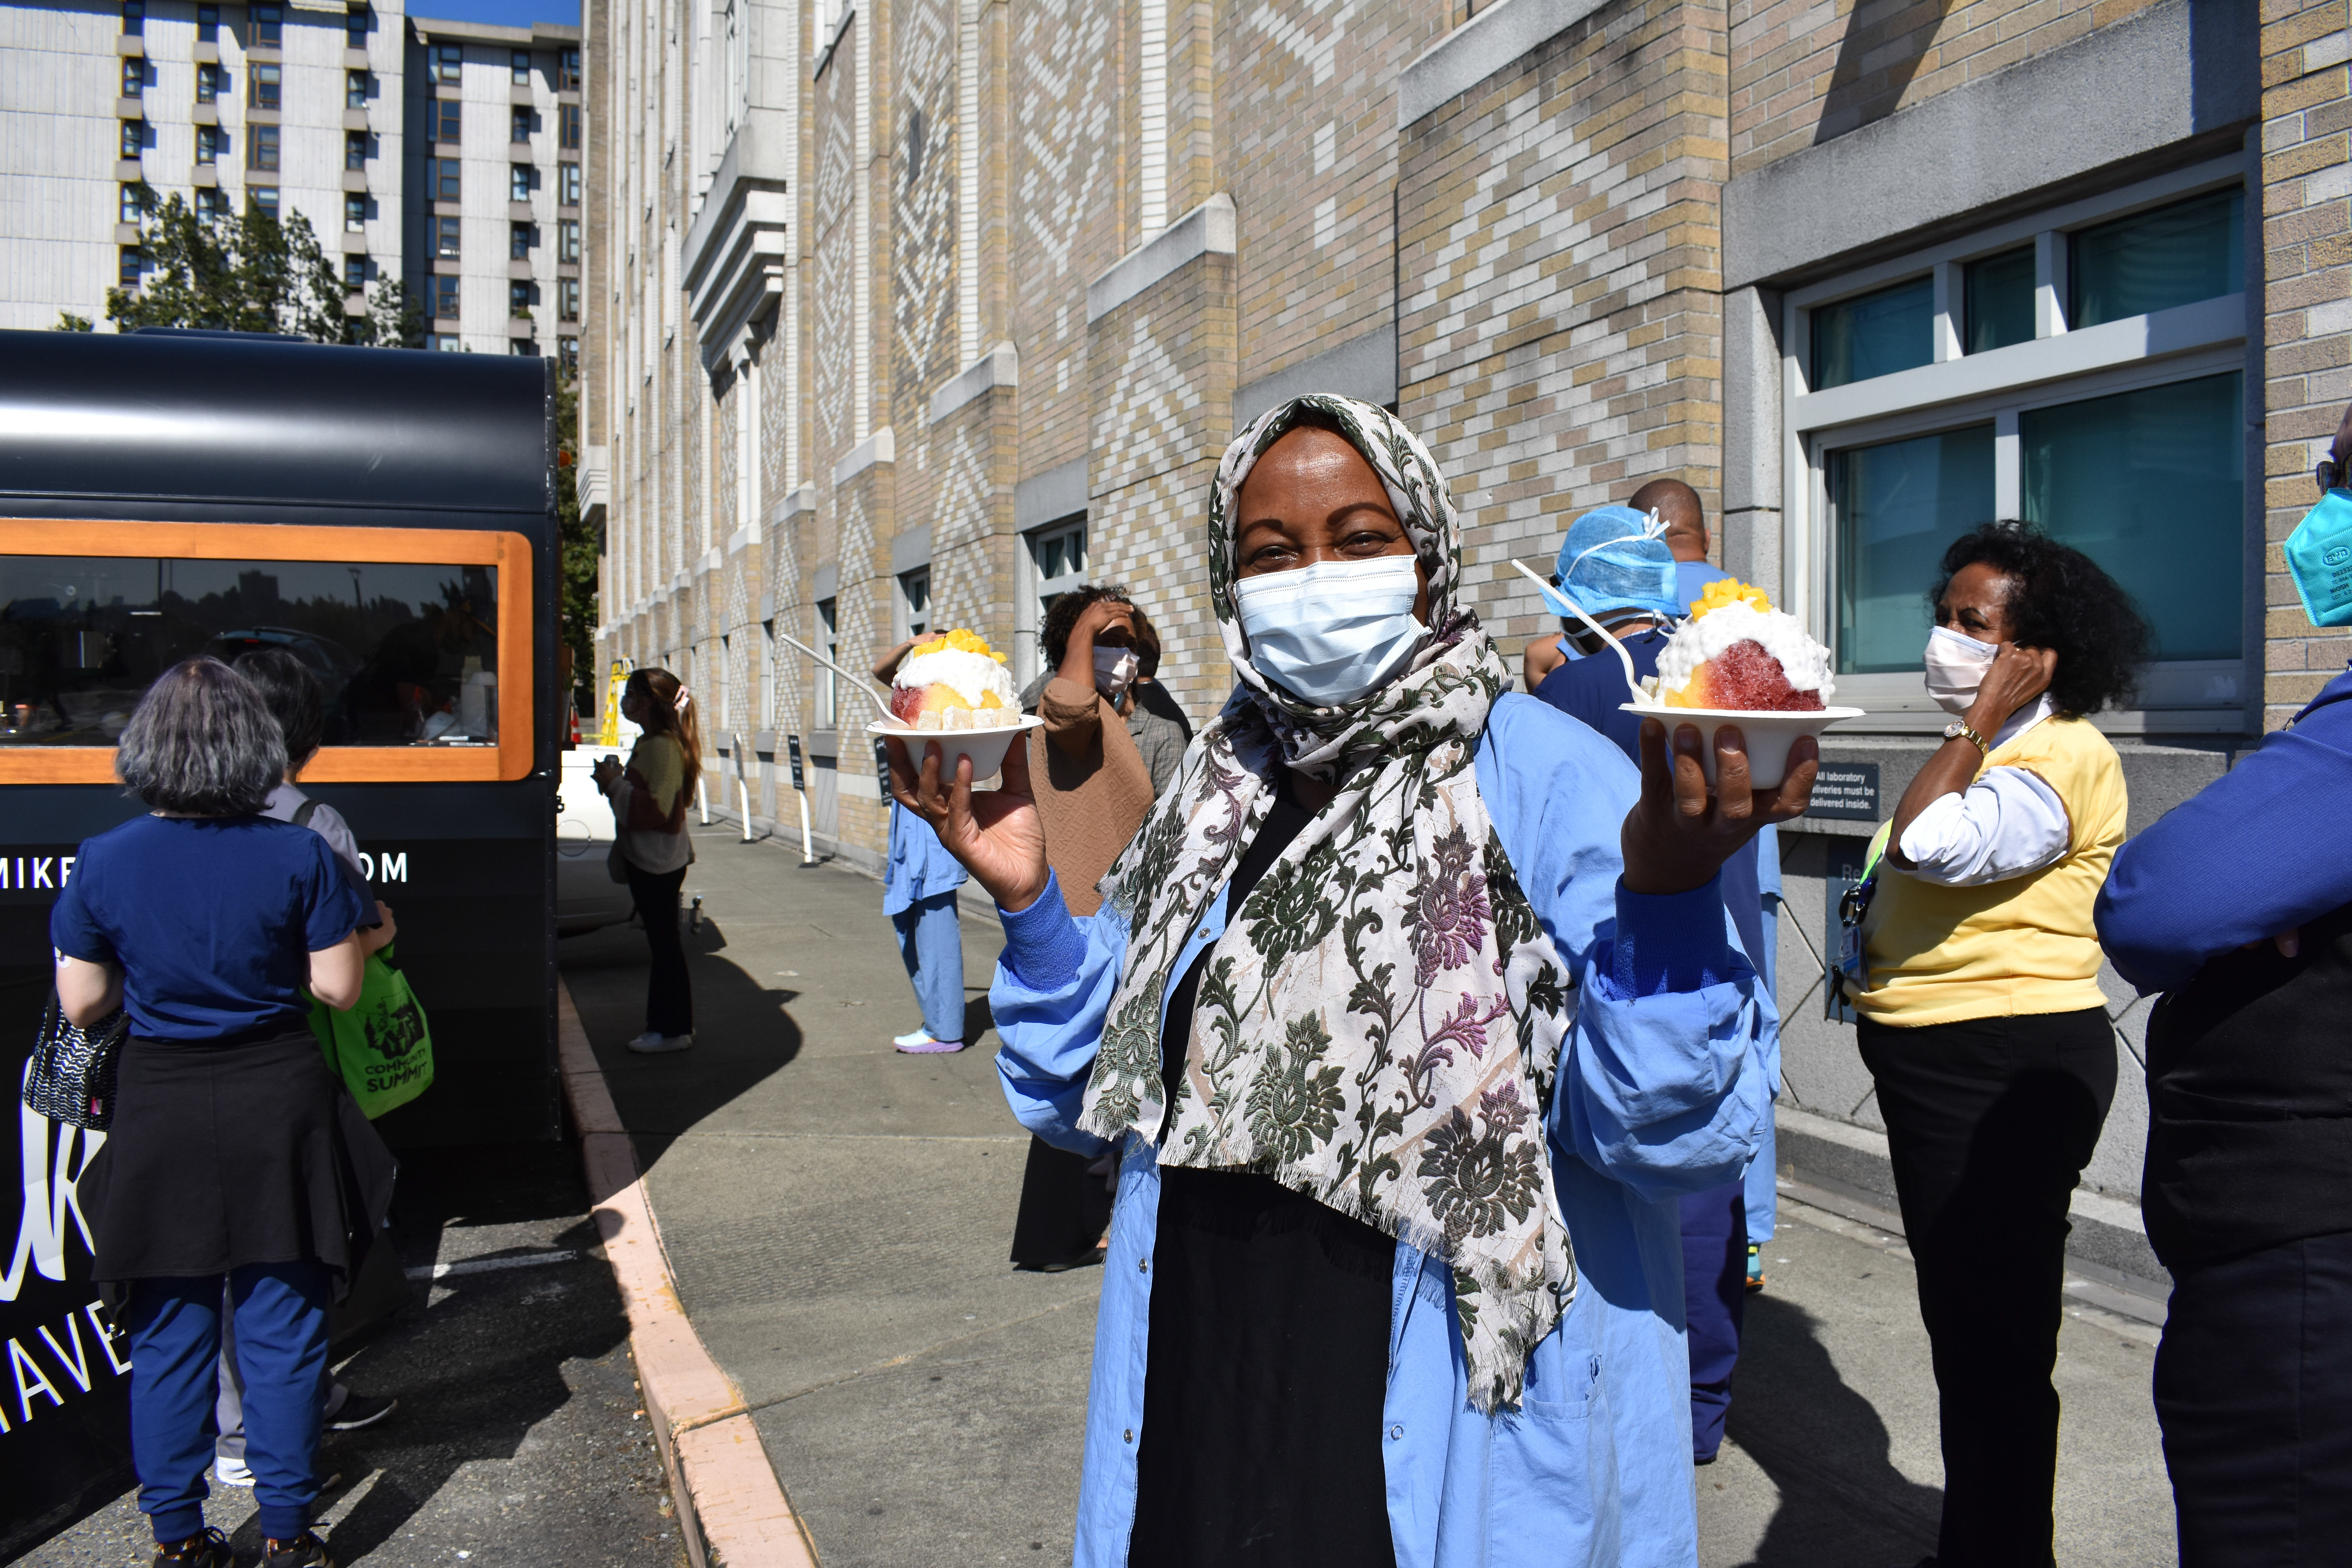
<point>1268,1360</point>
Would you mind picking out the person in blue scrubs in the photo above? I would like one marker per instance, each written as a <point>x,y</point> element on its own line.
<point>1626,580</point>
<point>919,881</point>
<point>1411,1014</point>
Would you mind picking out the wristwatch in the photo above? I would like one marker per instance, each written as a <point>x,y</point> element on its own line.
<point>1958,730</point>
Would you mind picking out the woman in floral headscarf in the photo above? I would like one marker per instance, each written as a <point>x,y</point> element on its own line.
<point>1403,1074</point>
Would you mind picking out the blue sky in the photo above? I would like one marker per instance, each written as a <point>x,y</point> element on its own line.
<point>500,13</point>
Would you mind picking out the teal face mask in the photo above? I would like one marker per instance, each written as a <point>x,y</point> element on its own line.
<point>2319,559</point>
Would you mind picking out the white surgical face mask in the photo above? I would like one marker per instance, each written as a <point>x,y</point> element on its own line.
<point>1331,632</point>
<point>1956,668</point>
<point>1115,670</point>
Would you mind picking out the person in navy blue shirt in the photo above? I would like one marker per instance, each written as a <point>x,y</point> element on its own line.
<point>2237,905</point>
<point>233,1156</point>
<point>1626,581</point>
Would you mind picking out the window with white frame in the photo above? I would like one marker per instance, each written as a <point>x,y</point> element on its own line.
<point>1056,563</point>
<point>767,675</point>
<point>915,602</point>
<point>2082,369</point>
<point>828,643</point>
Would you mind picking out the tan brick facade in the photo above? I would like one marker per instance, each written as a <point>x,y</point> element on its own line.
<point>2306,246</point>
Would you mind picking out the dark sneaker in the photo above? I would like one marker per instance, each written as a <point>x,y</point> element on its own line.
<point>304,1551</point>
<point>206,1549</point>
<point>360,1410</point>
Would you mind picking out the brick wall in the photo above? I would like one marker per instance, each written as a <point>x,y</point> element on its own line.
<point>1803,72</point>
<point>2307,248</point>
<point>1560,332</point>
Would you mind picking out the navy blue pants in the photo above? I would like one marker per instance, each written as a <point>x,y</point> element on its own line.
<point>1715,1305</point>
<point>280,1316</point>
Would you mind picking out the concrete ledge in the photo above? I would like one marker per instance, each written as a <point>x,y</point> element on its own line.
<point>1000,366</point>
<point>732,1508</point>
<point>879,448</point>
<point>1364,367</point>
<point>1058,492</point>
<point>1849,1164</point>
<point>1213,228</point>
<point>2181,68</point>
<point>792,506</point>
<point>1481,46</point>
<point>910,548</point>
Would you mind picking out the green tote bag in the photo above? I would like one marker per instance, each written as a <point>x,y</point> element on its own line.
<point>381,1049</point>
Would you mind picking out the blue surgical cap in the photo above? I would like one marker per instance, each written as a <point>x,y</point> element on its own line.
<point>1627,572</point>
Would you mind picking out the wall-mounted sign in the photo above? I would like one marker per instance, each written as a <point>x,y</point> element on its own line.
<point>1846,791</point>
<point>792,744</point>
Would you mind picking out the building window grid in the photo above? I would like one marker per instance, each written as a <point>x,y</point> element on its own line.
<point>354,274</point>
<point>134,18</point>
<point>355,89</point>
<point>567,354</point>
<point>134,205</point>
<point>134,76</point>
<point>355,27</point>
<point>519,182</point>
<point>261,147</point>
<point>568,184</point>
<point>445,120</point>
<point>520,66</point>
<point>2025,428</point>
<point>567,240</point>
<point>212,204</point>
<point>518,299</point>
<point>442,179</point>
<point>262,86</point>
<point>263,199</point>
<point>210,140</point>
<point>444,299</point>
<point>567,299</point>
<point>567,127</point>
<point>210,82</point>
<point>519,242</point>
<point>135,138</point>
<point>268,26</point>
<point>355,215</point>
<point>447,230</point>
<point>518,126</point>
<point>127,265</point>
<point>355,149</point>
<point>207,24</point>
<point>568,80</point>
<point>447,64</point>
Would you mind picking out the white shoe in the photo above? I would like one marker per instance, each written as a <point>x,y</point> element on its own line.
<point>650,1044</point>
<point>232,1472</point>
<point>915,1037</point>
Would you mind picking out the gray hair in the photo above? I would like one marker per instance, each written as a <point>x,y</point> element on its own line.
<point>201,743</point>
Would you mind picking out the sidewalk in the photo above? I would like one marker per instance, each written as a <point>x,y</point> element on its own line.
<point>837,1218</point>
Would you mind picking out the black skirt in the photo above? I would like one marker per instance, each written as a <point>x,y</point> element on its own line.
<point>229,1152</point>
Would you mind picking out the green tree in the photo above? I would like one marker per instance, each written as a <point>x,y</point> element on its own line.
<point>252,272</point>
<point>69,322</point>
<point>576,542</point>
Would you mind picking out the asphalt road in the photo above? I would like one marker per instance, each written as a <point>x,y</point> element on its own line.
<point>520,1437</point>
<point>838,1216</point>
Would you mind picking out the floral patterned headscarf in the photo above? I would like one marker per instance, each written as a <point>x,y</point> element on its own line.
<point>1379,1025</point>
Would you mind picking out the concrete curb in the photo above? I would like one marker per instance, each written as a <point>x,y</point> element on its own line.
<point>732,1508</point>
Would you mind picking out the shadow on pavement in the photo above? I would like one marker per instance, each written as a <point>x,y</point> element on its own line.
<point>743,1031</point>
<point>1842,1504</point>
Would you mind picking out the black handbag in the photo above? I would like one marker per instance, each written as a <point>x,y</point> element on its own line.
<point>71,1076</point>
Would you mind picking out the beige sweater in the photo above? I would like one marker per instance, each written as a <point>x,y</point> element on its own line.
<point>1093,789</point>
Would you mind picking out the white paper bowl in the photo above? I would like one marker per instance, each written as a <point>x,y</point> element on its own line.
<point>1769,735</point>
<point>986,748</point>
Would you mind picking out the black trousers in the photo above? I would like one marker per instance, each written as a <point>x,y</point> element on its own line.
<point>2253,1389</point>
<point>1989,1122</point>
<point>669,998</point>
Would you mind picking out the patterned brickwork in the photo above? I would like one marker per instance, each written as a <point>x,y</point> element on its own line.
<point>1803,71</point>
<point>2307,243</point>
<point>1561,327</point>
<point>922,193</point>
<point>1064,201</point>
<point>1310,99</point>
<point>1163,395</point>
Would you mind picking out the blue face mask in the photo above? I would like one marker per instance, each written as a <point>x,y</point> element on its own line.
<point>2319,559</point>
<point>1331,632</point>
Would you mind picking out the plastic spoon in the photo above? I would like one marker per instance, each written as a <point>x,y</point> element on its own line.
<point>853,679</point>
<point>1633,681</point>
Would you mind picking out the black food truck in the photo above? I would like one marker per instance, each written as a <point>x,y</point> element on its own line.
<point>388,517</point>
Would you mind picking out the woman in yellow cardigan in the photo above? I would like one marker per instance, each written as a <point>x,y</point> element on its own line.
<point>1981,1017</point>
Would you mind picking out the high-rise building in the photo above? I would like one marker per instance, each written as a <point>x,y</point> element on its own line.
<point>494,238</point>
<point>355,115</point>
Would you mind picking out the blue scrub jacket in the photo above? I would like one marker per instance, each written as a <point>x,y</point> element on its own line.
<point>1660,1092</point>
<point>920,867</point>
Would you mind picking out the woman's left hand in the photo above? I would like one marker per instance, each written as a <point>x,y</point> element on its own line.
<point>1677,835</point>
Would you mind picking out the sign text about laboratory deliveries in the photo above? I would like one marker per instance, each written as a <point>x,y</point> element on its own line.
<point>1848,790</point>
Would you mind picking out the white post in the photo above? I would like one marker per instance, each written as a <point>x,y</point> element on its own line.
<point>808,846</point>
<point>702,796</point>
<point>744,784</point>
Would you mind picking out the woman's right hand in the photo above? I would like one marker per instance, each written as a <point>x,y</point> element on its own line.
<point>996,834</point>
